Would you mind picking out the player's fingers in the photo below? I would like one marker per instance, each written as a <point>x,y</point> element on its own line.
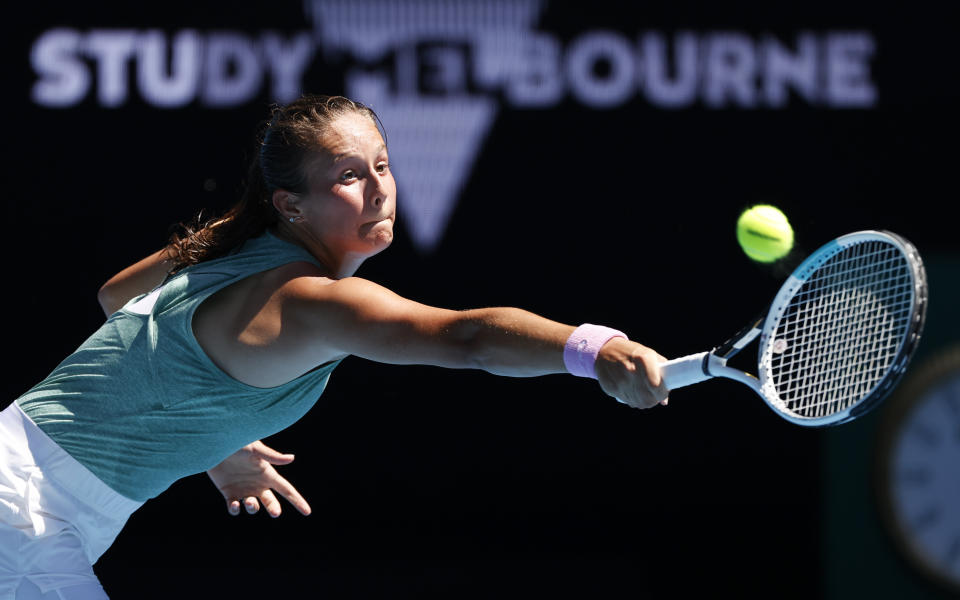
<point>251,504</point>
<point>270,503</point>
<point>270,455</point>
<point>660,360</point>
<point>651,388</point>
<point>650,365</point>
<point>292,495</point>
<point>655,377</point>
<point>233,507</point>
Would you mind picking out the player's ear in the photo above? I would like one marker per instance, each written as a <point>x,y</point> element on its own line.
<point>286,204</point>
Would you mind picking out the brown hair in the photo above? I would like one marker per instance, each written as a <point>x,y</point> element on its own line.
<point>284,144</point>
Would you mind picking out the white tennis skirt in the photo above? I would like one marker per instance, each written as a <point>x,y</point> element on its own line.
<point>56,517</point>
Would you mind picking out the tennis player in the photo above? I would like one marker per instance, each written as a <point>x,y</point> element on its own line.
<point>229,334</point>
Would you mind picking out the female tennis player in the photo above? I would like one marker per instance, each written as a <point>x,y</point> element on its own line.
<point>229,334</point>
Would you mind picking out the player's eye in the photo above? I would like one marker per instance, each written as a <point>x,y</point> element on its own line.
<point>383,168</point>
<point>348,175</point>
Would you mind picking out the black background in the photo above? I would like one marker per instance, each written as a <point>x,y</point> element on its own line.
<point>424,480</point>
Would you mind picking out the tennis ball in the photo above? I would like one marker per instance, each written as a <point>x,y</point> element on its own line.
<point>764,233</point>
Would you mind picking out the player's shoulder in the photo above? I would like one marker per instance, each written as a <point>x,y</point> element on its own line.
<point>323,304</point>
<point>306,285</point>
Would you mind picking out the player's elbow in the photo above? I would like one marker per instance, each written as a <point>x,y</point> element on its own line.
<point>475,355</point>
<point>476,340</point>
<point>108,298</point>
<point>459,341</point>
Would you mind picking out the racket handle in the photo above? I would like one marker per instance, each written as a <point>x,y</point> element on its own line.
<point>684,371</point>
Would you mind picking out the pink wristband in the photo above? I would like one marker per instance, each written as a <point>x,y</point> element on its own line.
<point>582,347</point>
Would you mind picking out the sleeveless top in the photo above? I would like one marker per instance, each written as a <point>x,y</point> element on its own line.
<point>140,404</point>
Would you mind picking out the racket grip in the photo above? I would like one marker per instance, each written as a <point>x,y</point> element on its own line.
<point>684,371</point>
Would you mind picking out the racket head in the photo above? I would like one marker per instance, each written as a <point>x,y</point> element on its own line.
<point>842,329</point>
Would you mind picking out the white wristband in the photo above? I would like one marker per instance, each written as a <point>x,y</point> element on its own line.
<point>582,347</point>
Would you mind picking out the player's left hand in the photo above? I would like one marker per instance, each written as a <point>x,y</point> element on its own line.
<point>630,373</point>
<point>248,477</point>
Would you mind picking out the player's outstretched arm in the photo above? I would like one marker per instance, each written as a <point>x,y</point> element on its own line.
<point>357,317</point>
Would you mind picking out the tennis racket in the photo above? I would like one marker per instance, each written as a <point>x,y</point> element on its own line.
<point>836,338</point>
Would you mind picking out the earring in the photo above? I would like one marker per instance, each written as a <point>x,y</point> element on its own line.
<point>293,219</point>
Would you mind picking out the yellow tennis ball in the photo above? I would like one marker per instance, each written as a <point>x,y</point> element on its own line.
<point>764,233</point>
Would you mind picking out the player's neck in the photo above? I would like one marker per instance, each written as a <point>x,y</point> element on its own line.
<point>338,264</point>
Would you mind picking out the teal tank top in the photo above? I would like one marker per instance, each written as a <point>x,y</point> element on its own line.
<point>141,405</point>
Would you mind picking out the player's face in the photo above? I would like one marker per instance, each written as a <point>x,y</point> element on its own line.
<point>351,204</point>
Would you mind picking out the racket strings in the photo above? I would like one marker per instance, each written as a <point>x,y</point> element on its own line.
<point>849,353</point>
<point>842,330</point>
<point>828,320</point>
